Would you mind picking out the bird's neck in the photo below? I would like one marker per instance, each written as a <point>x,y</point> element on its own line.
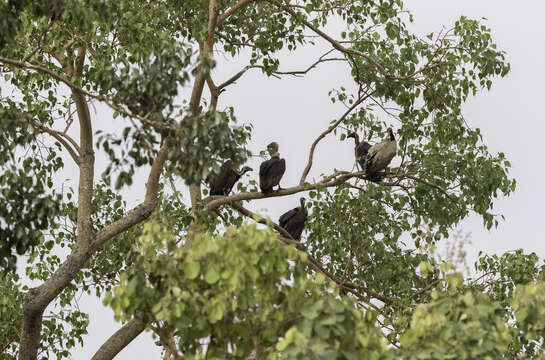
<point>275,155</point>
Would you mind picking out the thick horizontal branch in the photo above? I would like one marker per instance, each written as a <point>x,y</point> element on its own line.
<point>336,179</point>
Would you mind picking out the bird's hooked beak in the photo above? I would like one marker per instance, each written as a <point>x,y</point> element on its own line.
<point>246,169</point>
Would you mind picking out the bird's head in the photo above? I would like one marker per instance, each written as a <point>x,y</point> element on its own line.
<point>302,201</point>
<point>391,134</point>
<point>246,169</point>
<point>272,148</point>
<point>355,136</point>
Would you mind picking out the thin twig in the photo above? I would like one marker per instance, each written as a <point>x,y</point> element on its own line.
<point>326,132</point>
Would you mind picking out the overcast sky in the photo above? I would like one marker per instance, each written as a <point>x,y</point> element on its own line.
<point>509,116</point>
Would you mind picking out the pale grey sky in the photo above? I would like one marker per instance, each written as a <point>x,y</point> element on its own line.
<point>509,116</point>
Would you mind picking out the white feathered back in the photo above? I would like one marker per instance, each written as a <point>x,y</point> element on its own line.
<point>380,155</point>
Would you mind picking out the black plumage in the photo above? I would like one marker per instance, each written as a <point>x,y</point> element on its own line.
<point>294,220</point>
<point>272,170</point>
<point>227,178</point>
<point>361,149</point>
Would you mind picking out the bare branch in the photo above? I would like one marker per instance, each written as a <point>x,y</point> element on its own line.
<point>236,76</point>
<point>119,340</point>
<point>349,51</point>
<point>329,130</point>
<point>335,43</point>
<point>321,59</point>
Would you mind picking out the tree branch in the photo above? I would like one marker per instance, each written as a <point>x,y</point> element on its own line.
<point>231,11</point>
<point>143,210</point>
<point>36,299</point>
<point>87,160</point>
<point>215,202</point>
<point>119,340</point>
<point>60,137</point>
<point>337,45</point>
<point>423,290</point>
<point>66,80</point>
<point>206,51</point>
<point>440,189</point>
<point>235,77</point>
<point>287,239</point>
<point>329,130</point>
<point>320,60</point>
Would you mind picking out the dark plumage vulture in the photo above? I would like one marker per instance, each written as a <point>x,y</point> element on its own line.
<point>294,220</point>
<point>227,178</point>
<point>380,155</point>
<point>272,170</point>
<point>361,149</point>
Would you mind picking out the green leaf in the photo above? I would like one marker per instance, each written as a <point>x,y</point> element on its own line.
<point>191,269</point>
<point>211,275</point>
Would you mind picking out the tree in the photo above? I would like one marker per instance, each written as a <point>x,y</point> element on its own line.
<point>201,276</point>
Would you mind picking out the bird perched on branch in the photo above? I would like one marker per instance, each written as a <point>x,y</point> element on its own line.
<point>361,149</point>
<point>227,178</point>
<point>272,170</point>
<point>294,220</point>
<point>379,157</point>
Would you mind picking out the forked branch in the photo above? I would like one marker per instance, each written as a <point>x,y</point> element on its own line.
<point>328,131</point>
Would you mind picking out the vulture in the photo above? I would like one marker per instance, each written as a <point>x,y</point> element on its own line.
<point>272,170</point>
<point>227,178</point>
<point>294,220</point>
<point>379,156</point>
<point>361,149</point>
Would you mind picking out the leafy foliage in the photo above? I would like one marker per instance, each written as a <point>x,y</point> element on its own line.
<point>203,142</point>
<point>29,205</point>
<point>209,292</point>
<point>362,283</point>
<point>464,326</point>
